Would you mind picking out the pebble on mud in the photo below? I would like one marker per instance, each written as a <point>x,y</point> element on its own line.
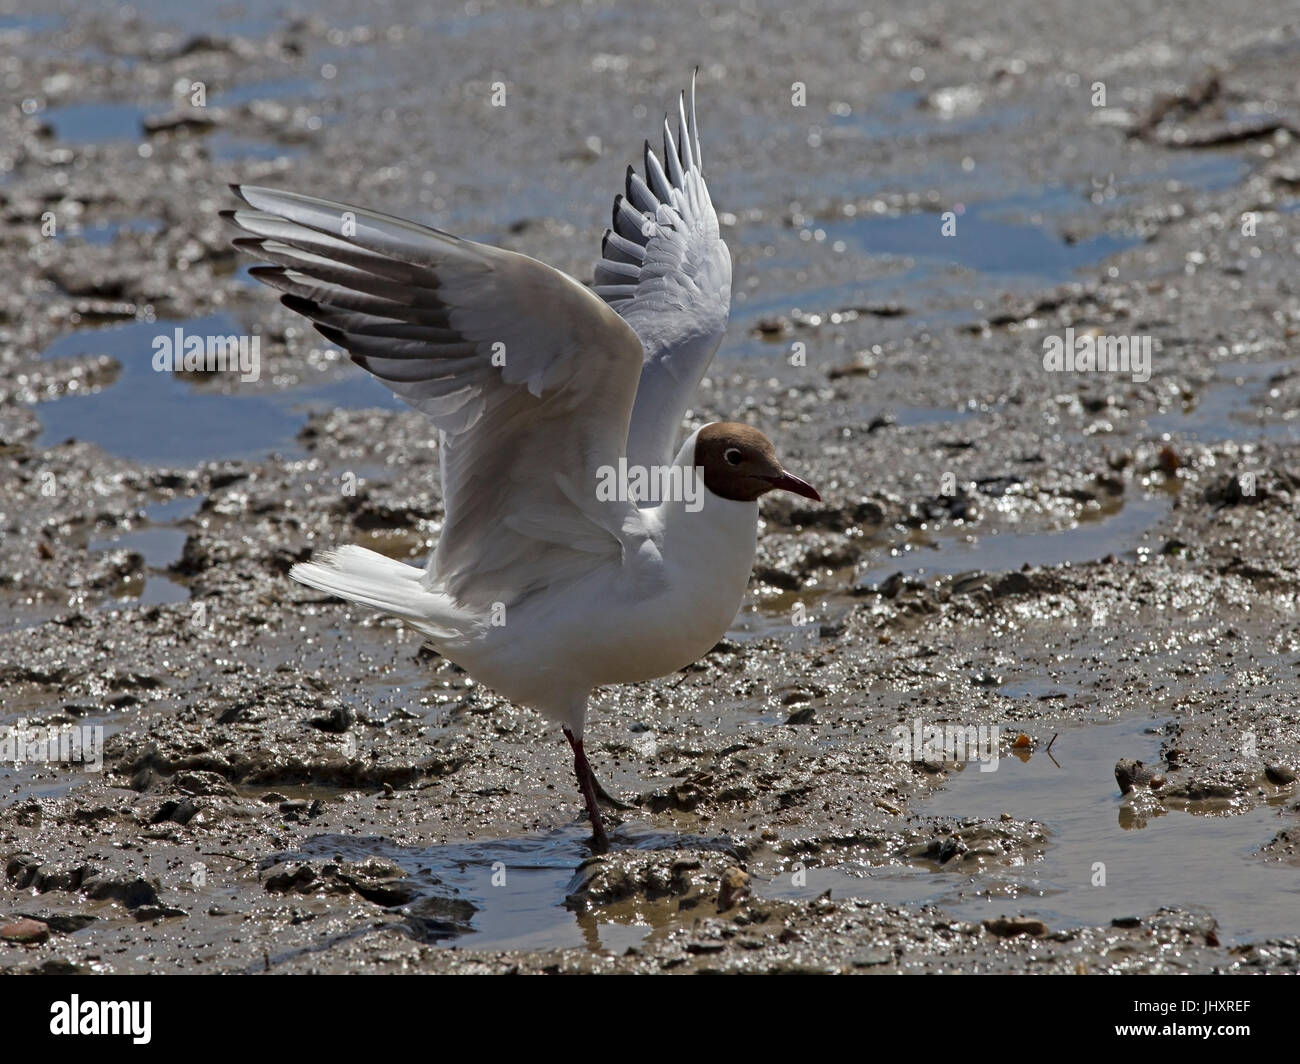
<point>1130,774</point>
<point>26,932</point>
<point>1009,927</point>
<point>1279,774</point>
<point>735,888</point>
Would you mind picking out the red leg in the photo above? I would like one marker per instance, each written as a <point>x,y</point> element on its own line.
<point>587,784</point>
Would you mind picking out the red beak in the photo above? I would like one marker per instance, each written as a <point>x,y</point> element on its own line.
<point>789,482</point>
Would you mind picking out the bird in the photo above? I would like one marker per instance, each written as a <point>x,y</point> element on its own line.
<point>581,545</point>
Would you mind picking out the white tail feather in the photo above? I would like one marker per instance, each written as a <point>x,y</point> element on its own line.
<point>371,579</point>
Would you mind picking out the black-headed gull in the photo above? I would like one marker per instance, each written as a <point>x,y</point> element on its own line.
<point>579,547</point>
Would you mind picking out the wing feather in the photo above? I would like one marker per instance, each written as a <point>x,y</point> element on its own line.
<point>665,269</point>
<point>529,378</point>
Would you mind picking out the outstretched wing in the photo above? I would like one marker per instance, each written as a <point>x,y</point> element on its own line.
<point>667,272</point>
<point>529,378</point>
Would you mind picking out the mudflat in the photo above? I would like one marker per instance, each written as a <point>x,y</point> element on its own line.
<point>1061,567</point>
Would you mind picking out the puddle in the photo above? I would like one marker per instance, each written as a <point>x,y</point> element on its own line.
<point>795,614</point>
<point>98,122</point>
<point>178,509</point>
<point>160,543</point>
<point>1123,532</point>
<point>1201,862</point>
<point>1002,245</point>
<point>1003,242</point>
<point>1038,688</point>
<point>772,618</point>
<point>1233,406</point>
<point>907,417</point>
<point>160,547</point>
<point>29,23</point>
<point>160,419</point>
<point>282,89</point>
<point>905,116</point>
<point>157,538</point>
<point>986,241</point>
<point>95,123</point>
<point>504,894</point>
<point>28,709</point>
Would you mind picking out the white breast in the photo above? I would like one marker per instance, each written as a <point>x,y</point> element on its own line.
<point>685,596</point>
<point>645,617</point>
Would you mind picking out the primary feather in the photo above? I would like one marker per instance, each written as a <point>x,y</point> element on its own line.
<point>666,270</point>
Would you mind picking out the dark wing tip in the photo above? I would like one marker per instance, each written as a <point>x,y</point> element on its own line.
<point>333,335</point>
<point>301,305</point>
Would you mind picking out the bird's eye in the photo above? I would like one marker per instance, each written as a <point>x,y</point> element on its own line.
<point>732,455</point>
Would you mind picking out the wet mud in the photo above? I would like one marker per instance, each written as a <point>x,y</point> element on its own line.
<point>1079,570</point>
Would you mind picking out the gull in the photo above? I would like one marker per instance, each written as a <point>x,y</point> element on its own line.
<point>545,584</point>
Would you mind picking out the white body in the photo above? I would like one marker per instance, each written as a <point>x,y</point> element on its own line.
<point>660,606</point>
<point>646,616</point>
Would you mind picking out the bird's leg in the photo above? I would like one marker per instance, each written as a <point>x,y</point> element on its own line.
<point>587,783</point>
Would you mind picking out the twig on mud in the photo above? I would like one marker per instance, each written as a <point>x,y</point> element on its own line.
<point>232,856</point>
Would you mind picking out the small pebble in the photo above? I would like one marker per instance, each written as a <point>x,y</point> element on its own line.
<point>1009,927</point>
<point>1280,774</point>
<point>26,931</point>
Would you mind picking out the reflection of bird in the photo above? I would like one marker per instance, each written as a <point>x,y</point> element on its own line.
<point>542,586</point>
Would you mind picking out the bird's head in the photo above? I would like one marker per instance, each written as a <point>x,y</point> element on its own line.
<point>740,463</point>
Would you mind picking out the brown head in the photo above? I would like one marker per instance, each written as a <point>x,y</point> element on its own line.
<point>740,463</point>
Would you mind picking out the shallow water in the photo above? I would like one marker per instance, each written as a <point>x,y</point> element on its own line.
<point>103,121</point>
<point>1236,405</point>
<point>506,893</point>
<point>28,707</point>
<point>1123,531</point>
<point>160,419</point>
<point>509,893</point>
<point>160,542</point>
<point>95,123</point>
<point>1173,858</point>
<point>994,243</point>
